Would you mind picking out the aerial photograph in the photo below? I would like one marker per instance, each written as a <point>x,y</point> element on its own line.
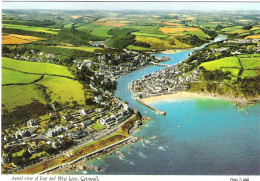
<point>130,88</point>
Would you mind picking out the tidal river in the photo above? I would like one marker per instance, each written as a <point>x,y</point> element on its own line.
<point>202,136</point>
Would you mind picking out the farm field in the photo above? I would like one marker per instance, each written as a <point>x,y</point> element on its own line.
<point>87,49</point>
<point>30,28</point>
<point>168,30</point>
<point>12,39</point>
<point>97,30</point>
<point>20,95</point>
<point>250,73</point>
<point>112,24</point>
<point>35,67</point>
<point>12,77</point>
<point>248,62</point>
<point>223,64</point>
<point>136,48</point>
<point>252,37</point>
<point>63,89</point>
<point>149,35</point>
<point>162,44</point>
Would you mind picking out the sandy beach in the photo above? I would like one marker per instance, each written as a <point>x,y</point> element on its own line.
<point>179,95</point>
<point>175,50</point>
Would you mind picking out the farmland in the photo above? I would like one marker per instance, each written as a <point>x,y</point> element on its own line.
<point>13,39</point>
<point>20,95</point>
<point>250,65</point>
<point>29,28</point>
<point>167,30</point>
<point>87,49</point>
<point>252,37</point>
<point>37,83</point>
<point>33,67</point>
<point>63,90</point>
<point>12,77</point>
<point>96,30</point>
<point>113,24</point>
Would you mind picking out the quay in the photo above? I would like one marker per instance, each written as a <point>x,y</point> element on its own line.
<point>80,158</point>
<point>160,64</point>
<point>156,110</point>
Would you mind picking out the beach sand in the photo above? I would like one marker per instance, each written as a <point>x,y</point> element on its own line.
<point>178,95</point>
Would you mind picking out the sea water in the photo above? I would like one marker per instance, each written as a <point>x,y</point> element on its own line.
<point>197,136</point>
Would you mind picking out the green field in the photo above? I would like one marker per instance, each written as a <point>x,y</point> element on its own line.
<point>149,35</point>
<point>248,61</point>
<point>11,77</point>
<point>35,67</point>
<point>20,95</point>
<point>63,90</point>
<point>250,73</point>
<point>232,28</point>
<point>97,126</point>
<point>87,49</point>
<point>161,44</point>
<point>19,153</point>
<point>30,28</point>
<point>136,48</point>
<point>223,62</point>
<point>199,34</point>
<point>97,30</point>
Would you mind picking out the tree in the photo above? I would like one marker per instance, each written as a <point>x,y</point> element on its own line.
<point>18,160</point>
<point>27,154</point>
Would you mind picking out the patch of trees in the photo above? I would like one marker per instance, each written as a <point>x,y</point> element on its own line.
<point>121,38</point>
<point>29,33</point>
<point>36,23</point>
<point>192,40</point>
<point>217,75</point>
<point>23,113</point>
<point>211,33</point>
<point>75,37</point>
<point>142,44</point>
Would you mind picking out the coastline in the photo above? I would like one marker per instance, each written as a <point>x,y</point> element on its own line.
<point>179,95</point>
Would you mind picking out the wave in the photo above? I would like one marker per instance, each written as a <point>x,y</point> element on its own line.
<point>161,148</point>
<point>141,154</point>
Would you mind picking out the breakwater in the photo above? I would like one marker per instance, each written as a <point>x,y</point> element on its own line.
<point>156,110</point>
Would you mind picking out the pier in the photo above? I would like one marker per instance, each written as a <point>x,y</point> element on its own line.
<point>156,110</point>
<point>160,64</point>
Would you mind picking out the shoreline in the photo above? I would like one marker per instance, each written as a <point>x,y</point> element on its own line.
<point>181,95</point>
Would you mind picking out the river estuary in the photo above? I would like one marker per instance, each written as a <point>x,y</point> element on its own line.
<point>197,136</point>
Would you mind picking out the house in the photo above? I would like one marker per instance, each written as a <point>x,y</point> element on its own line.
<point>104,121</point>
<point>98,98</point>
<point>32,122</point>
<point>99,110</point>
<point>66,117</point>
<point>55,132</point>
<point>34,149</point>
<point>86,123</point>
<point>82,112</point>
<point>79,134</point>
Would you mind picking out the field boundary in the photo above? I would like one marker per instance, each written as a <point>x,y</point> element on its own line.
<point>39,73</point>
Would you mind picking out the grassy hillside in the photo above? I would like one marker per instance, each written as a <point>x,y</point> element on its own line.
<point>35,67</point>
<point>63,90</point>
<point>20,95</point>
<point>10,77</point>
<point>20,102</point>
<point>85,48</point>
<point>30,28</point>
<point>250,65</point>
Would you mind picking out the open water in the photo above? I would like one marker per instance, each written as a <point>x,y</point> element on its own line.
<point>197,136</point>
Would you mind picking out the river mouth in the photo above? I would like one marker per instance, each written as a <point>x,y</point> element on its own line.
<point>197,136</point>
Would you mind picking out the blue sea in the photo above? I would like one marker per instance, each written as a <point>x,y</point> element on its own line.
<point>197,136</point>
